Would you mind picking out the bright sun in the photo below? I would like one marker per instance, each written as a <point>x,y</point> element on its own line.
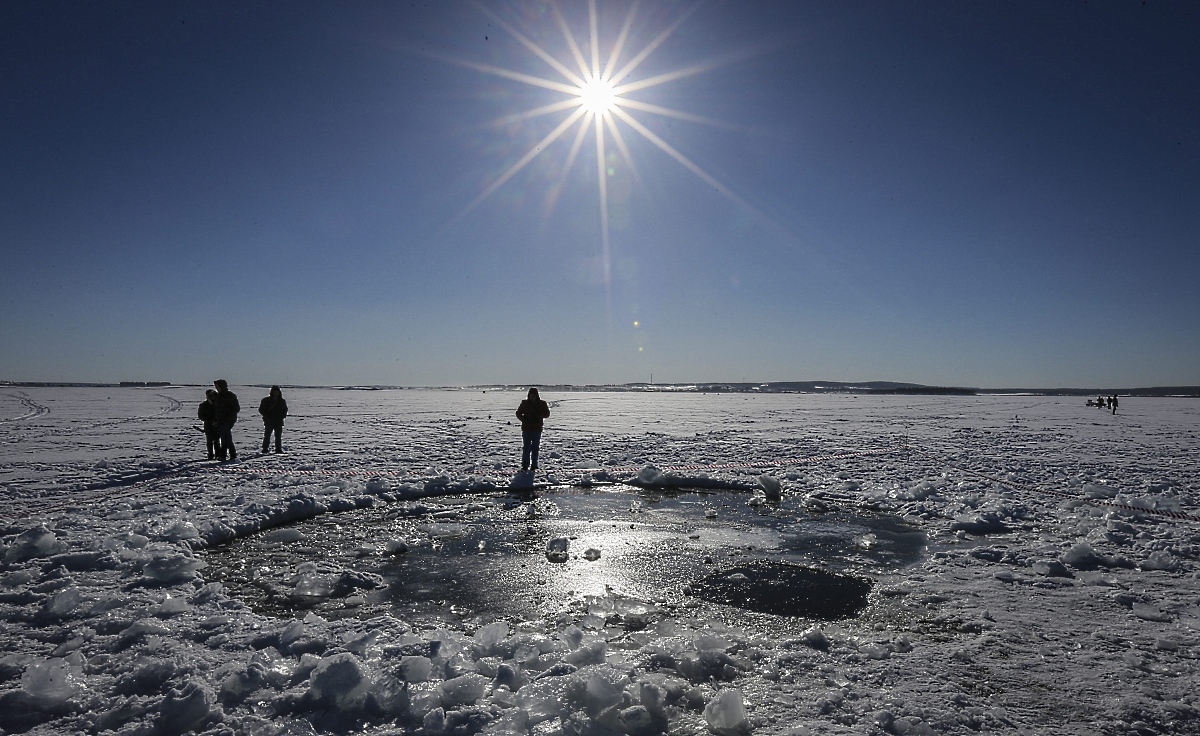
<point>596,99</point>
<point>597,96</point>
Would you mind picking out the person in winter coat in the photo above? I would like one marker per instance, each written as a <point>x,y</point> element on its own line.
<point>227,408</point>
<point>207,414</point>
<point>531,412</point>
<point>273,409</point>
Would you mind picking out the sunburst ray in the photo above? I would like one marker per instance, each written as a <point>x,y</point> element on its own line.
<point>536,112</point>
<point>569,37</point>
<point>651,47</point>
<point>537,50</point>
<point>626,156</point>
<point>523,161</point>
<point>684,161</point>
<point>622,38</point>
<point>576,145</point>
<point>625,102</point>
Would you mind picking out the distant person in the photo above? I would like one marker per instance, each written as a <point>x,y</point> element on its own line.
<point>1113,403</point>
<point>1100,401</point>
<point>207,414</point>
<point>227,408</point>
<point>531,412</point>
<point>273,409</point>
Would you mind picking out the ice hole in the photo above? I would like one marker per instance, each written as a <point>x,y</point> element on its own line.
<point>531,557</point>
<point>786,589</point>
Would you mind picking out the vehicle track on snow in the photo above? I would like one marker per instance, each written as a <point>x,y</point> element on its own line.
<point>38,410</point>
<point>34,409</point>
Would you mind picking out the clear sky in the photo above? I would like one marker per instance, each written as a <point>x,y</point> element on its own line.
<point>981,194</point>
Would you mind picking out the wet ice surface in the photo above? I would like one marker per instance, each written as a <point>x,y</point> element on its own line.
<point>1005,595</point>
<point>479,557</point>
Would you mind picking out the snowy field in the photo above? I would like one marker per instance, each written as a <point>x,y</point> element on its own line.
<point>1031,563</point>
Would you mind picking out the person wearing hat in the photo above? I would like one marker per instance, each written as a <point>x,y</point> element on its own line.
<point>227,408</point>
<point>273,409</point>
<point>531,412</point>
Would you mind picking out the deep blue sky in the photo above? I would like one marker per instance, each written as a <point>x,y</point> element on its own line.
<point>985,194</point>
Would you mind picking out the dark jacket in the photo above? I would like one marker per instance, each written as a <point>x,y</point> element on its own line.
<point>531,414</point>
<point>207,413</point>
<point>273,411</point>
<point>227,408</point>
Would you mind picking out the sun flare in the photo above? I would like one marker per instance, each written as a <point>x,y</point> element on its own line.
<point>596,78</point>
<point>597,88</point>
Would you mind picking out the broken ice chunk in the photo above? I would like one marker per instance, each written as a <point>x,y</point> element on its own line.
<point>556,549</point>
<point>726,714</point>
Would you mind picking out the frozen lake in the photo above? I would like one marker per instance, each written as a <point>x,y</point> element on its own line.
<point>379,575</point>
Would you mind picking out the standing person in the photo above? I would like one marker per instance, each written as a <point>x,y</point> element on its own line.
<point>1113,403</point>
<point>207,414</point>
<point>531,412</point>
<point>273,409</point>
<point>227,408</point>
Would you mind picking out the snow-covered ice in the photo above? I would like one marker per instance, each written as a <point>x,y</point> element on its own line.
<point>1052,588</point>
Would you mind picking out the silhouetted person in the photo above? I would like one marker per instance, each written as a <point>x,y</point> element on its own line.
<point>1100,401</point>
<point>207,414</point>
<point>531,412</point>
<point>1113,403</point>
<point>273,409</point>
<point>227,408</point>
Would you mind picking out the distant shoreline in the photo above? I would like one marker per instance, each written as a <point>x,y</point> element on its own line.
<point>770,387</point>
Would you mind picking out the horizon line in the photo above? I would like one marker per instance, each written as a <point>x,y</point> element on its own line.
<point>805,386</point>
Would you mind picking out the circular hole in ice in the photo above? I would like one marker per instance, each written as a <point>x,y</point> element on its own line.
<point>785,589</point>
<point>492,561</point>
